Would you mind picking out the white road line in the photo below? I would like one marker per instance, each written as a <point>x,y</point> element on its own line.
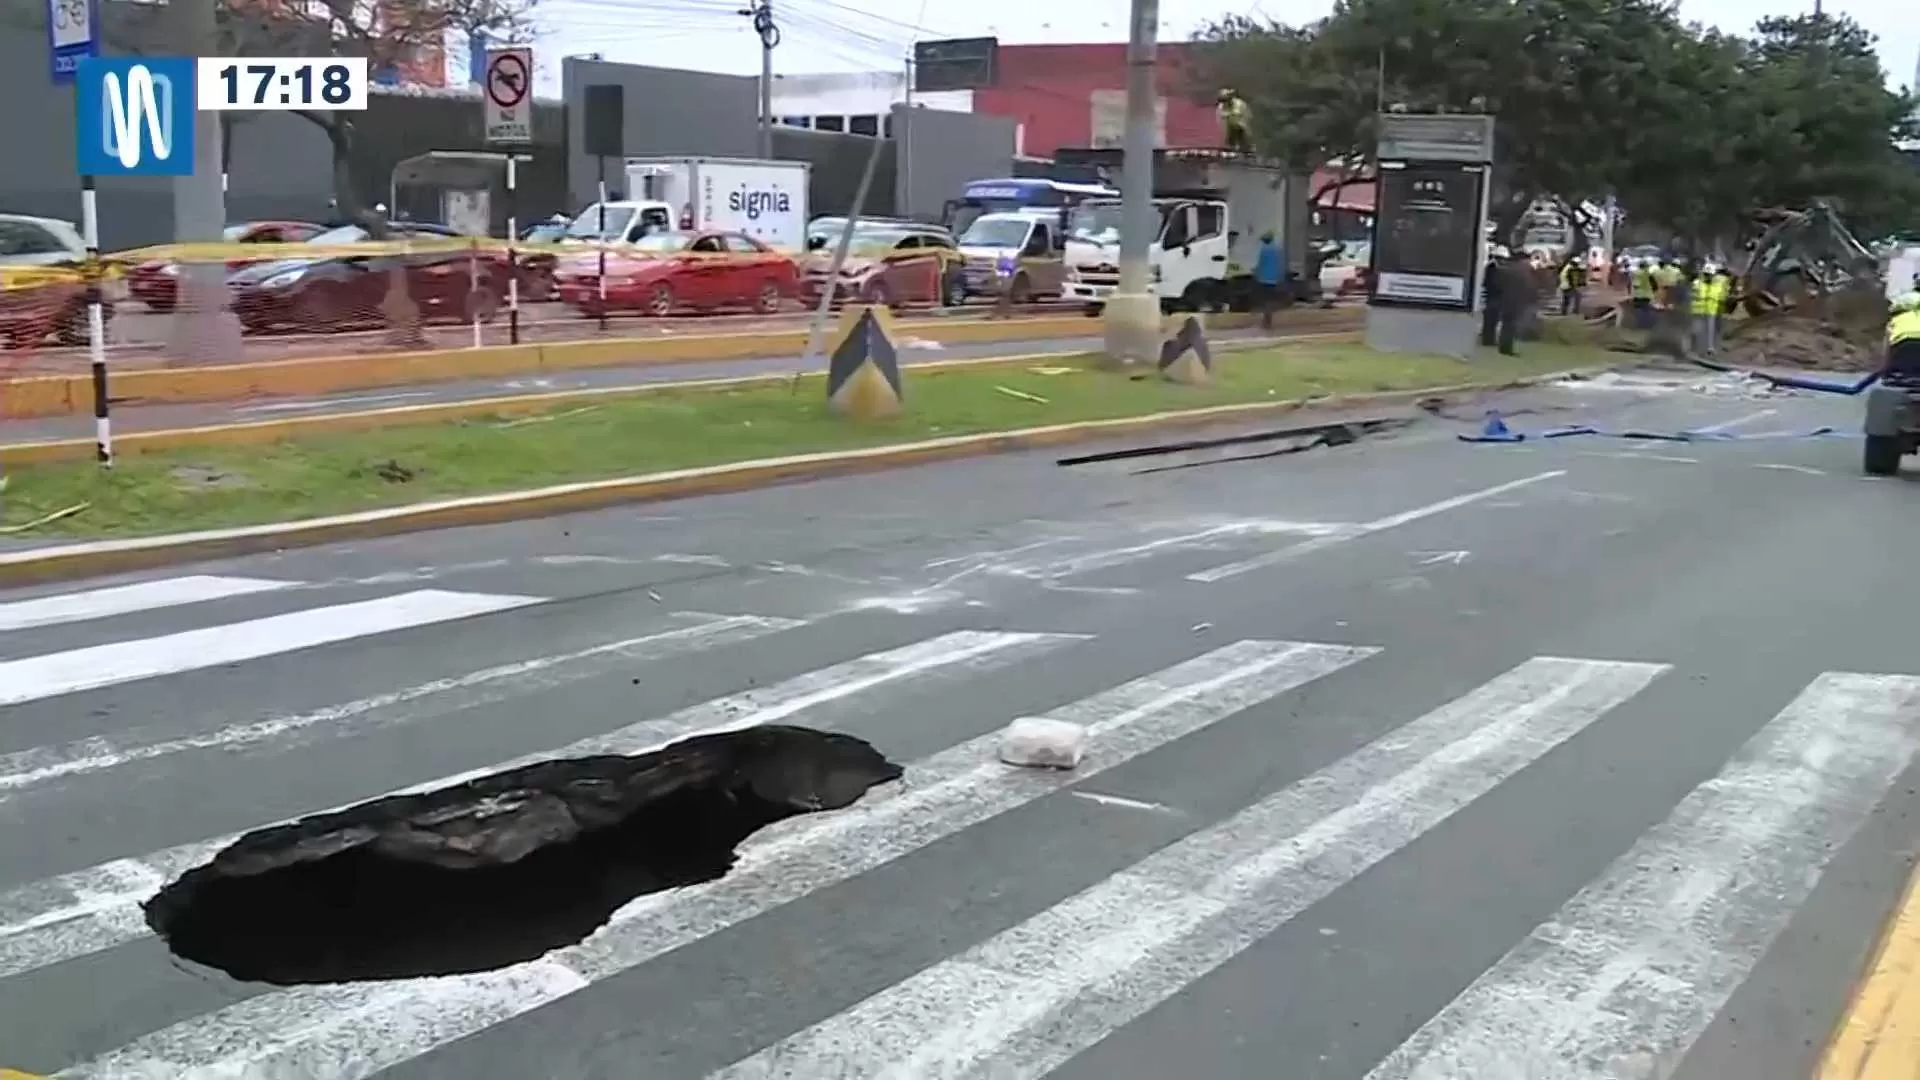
<point>26,768</point>
<point>1738,421</point>
<point>1391,521</point>
<point>352,1032</point>
<point>1623,979</point>
<point>35,677</point>
<point>86,911</point>
<point>1124,802</point>
<point>127,599</point>
<point>1025,1001</point>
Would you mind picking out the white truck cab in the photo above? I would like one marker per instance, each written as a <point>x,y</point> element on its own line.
<point>1015,250</point>
<point>625,221</point>
<point>1188,258</point>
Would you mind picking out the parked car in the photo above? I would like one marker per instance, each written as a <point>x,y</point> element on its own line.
<point>157,283</point>
<point>824,232</point>
<point>41,290</point>
<point>664,272</point>
<point>537,268</point>
<point>341,291</point>
<point>897,267</point>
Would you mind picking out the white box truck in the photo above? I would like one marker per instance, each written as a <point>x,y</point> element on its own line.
<point>1211,209</point>
<point>766,200</point>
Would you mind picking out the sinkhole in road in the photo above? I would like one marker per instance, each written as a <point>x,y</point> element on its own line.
<point>501,869</point>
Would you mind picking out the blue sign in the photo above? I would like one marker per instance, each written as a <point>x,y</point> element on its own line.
<point>135,116</point>
<point>73,33</point>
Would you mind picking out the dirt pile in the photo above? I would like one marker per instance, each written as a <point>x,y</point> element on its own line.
<point>1845,331</point>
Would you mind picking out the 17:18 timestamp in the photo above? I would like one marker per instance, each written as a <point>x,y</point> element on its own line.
<point>281,84</point>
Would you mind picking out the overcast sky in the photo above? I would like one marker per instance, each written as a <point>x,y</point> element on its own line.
<point>865,35</point>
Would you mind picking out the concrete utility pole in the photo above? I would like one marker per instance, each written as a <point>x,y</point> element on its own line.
<point>769,37</point>
<point>1133,311</point>
<point>203,329</point>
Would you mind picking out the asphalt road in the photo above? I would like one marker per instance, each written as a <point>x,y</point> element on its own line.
<point>130,416</point>
<point>1410,759</point>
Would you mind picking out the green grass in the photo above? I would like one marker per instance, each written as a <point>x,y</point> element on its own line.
<point>314,476</point>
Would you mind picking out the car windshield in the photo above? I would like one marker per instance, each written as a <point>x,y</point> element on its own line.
<point>234,232</point>
<point>873,244</point>
<point>1095,223</point>
<point>997,232</point>
<point>663,241</point>
<point>345,234</point>
<point>586,224</point>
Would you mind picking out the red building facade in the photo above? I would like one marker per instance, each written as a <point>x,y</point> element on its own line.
<point>1073,96</point>
<point>1069,96</point>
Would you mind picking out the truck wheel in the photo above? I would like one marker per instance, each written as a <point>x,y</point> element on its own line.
<point>1881,456</point>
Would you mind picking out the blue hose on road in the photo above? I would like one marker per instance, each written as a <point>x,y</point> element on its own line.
<point>1796,382</point>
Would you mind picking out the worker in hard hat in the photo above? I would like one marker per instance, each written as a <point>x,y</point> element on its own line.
<point>1236,121</point>
<point>1903,339</point>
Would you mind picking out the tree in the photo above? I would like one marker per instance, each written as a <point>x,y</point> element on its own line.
<point>1688,128</point>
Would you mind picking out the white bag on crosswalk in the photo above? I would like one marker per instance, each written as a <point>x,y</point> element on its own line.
<point>1041,743</point>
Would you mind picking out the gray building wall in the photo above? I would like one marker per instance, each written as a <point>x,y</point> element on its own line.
<point>667,113</point>
<point>279,161</point>
<point>944,150</point>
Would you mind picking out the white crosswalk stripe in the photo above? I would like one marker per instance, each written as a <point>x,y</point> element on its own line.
<point>54,674</point>
<point>1620,982</point>
<point>127,599</point>
<point>1033,997</point>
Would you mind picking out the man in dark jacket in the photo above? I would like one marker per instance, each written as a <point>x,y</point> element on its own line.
<point>1492,292</point>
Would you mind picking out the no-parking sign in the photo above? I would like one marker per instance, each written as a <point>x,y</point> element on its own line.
<point>509,95</point>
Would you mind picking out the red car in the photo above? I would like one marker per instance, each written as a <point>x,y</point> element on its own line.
<point>343,291</point>
<point>157,283</point>
<point>665,272</point>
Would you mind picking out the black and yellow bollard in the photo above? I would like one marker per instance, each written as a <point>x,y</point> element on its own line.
<point>1184,357</point>
<point>863,371</point>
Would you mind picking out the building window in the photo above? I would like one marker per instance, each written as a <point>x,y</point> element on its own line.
<point>863,125</point>
<point>797,121</point>
<point>830,123</point>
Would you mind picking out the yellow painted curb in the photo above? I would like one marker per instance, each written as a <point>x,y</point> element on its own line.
<point>16,1074</point>
<point>37,396</point>
<point>254,433</point>
<point>94,558</point>
<point>1879,1036</point>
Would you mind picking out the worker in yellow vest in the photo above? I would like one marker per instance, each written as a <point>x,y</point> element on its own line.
<point>1573,278</point>
<point>1903,338</point>
<point>1640,286</point>
<point>1709,293</point>
<point>1665,276</point>
<point>1236,122</point>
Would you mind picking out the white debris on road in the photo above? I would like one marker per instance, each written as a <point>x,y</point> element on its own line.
<point>1040,743</point>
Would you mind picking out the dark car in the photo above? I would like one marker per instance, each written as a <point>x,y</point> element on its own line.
<point>339,290</point>
<point>157,283</point>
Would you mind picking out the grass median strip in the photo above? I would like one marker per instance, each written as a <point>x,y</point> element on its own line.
<point>202,488</point>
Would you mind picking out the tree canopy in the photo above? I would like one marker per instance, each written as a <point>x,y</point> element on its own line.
<point>1689,128</point>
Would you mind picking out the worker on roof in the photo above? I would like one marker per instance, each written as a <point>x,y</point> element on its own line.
<point>1236,121</point>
